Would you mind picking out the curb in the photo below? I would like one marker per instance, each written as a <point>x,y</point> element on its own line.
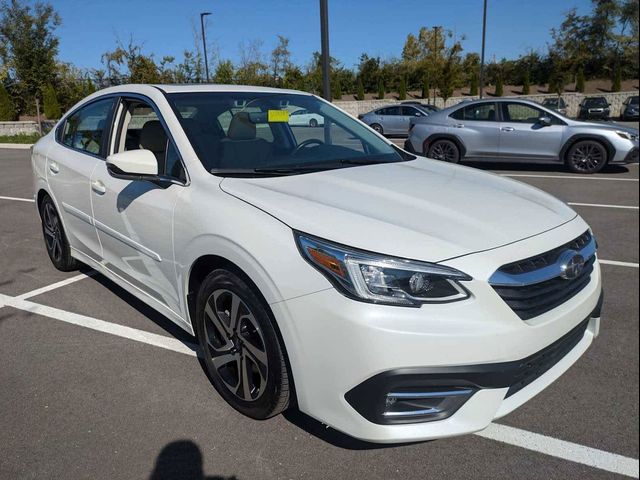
<point>16,146</point>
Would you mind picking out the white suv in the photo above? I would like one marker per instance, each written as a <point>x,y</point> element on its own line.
<point>389,296</point>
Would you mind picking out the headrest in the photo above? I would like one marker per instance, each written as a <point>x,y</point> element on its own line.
<point>153,136</point>
<point>241,127</point>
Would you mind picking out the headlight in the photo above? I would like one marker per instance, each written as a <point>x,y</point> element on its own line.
<point>377,278</point>
<point>627,135</point>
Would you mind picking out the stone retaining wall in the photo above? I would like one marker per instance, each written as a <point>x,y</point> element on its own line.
<point>24,128</point>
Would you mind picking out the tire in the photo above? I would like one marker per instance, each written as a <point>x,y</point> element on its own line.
<point>586,156</point>
<point>445,150</point>
<point>55,238</point>
<point>247,343</point>
<point>378,128</point>
<point>313,122</point>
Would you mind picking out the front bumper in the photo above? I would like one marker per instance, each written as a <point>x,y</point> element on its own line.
<point>336,344</point>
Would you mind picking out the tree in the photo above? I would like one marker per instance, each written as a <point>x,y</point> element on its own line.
<point>499,86</point>
<point>402,89</point>
<point>224,72</point>
<point>526,83</point>
<point>28,47</point>
<point>360,94</point>
<point>381,90</point>
<point>7,108</point>
<point>580,87</point>
<point>473,86</point>
<point>252,70</point>
<point>369,72</point>
<point>425,87</point>
<point>280,60</point>
<point>337,89</point>
<point>616,84</point>
<point>50,103</point>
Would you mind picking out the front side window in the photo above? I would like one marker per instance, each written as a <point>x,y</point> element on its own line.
<point>252,133</point>
<point>142,129</point>
<point>481,112</point>
<point>411,112</point>
<point>85,129</point>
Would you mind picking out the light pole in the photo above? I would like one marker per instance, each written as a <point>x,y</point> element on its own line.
<point>484,30</point>
<point>204,44</point>
<point>324,41</point>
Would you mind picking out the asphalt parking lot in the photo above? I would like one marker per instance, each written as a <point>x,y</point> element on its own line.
<point>94,384</point>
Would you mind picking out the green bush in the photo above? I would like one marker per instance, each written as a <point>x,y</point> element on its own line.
<point>526,83</point>
<point>7,108</point>
<point>616,84</point>
<point>360,93</point>
<point>473,87</point>
<point>381,90</point>
<point>580,81</point>
<point>402,91</point>
<point>20,138</point>
<point>337,90</point>
<point>425,87</point>
<point>499,87</point>
<point>51,106</point>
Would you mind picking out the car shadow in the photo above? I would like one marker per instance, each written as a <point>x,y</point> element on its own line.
<point>182,460</point>
<point>529,167</point>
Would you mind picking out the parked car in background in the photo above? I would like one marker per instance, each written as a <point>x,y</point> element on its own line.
<point>629,109</point>
<point>520,131</point>
<point>302,117</point>
<point>391,297</point>
<point>556,104</point>
<point>393,119</point>
<point>423,106</point>
<point>594,108</point>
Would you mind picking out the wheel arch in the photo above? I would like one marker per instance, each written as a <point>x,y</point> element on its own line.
<point>608,146</point>
<point>444,136</point>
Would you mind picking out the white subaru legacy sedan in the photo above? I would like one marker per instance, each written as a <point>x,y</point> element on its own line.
<point>389,296</point>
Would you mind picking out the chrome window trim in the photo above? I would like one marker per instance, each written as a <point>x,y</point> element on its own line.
<point>502,279</point>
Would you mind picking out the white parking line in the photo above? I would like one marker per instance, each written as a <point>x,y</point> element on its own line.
<point>603,205</point>
<point>575,177</point>
<point>53,286</point>
<point>619,264</point>
<point>573,452</point>
<point>16,199</point>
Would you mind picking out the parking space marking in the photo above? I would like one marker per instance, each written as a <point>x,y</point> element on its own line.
<point>573,452</point>
<point>16,199</point>
<point>619,264</point>
<point>53,286</point>
<point>168,343</point>
<point>629,207</point>
<point>575,177</point>
<point>611,462</point>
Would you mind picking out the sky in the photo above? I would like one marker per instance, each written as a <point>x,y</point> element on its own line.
<point>378,27</point>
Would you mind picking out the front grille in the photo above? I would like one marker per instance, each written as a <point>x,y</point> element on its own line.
<point>547,258</point>
<point>539,363</point>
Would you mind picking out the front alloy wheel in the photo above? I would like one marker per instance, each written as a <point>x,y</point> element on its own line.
<point>55,239</point>
<point>241,349</point>
<point>587,156</point>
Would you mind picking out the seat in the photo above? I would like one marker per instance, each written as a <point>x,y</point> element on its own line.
<point>492,115</point>
<point>206,140</point>
<point>154,138</point>
<point>241,148</point>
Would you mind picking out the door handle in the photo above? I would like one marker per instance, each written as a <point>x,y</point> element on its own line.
<point>507,129</point>
<point>459,125</point>
<point>54,168</point>
<point>98,187</point>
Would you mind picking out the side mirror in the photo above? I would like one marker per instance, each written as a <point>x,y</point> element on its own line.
<point>544,121</point>
<point>133,165</point>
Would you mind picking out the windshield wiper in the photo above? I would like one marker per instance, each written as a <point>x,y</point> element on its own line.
<point>266,172</point>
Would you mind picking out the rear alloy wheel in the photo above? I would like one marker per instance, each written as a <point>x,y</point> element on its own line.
<point>313,122</point>
<point>586,156</point>
<point>55,239</point>
<point>444,150</point>
<point>377,127</point>
<point>242,352</point>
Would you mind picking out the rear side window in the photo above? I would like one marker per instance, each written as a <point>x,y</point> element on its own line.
<point>85,129</point>
<point>482,112</point>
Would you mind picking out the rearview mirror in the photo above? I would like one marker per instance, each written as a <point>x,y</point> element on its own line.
<point>133,165</point>
<point>544,121</point>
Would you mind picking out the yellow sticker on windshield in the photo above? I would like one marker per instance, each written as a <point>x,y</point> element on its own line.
<point>278,116</point>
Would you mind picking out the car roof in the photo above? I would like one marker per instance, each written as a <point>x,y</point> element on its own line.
<point>202,87</point>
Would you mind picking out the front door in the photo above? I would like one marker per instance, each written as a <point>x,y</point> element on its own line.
<point>134,219</point>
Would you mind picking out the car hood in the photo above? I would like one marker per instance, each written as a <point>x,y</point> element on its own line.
<point>421,209</point>
<point>607,126</point>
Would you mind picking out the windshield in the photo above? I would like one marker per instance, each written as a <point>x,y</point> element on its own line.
<point>595,102</point>
<point>244,133</point>
<point>634,101</point>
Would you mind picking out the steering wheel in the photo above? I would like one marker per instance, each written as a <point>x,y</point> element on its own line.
<point>307,143</point>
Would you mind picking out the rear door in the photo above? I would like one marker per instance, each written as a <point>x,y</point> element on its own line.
<point>80,146</point>
<point>134,218</point>
<point>477,126</point>
<point>523,137</point>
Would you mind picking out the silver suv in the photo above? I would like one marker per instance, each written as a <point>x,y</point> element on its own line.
<point>520,131</point>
